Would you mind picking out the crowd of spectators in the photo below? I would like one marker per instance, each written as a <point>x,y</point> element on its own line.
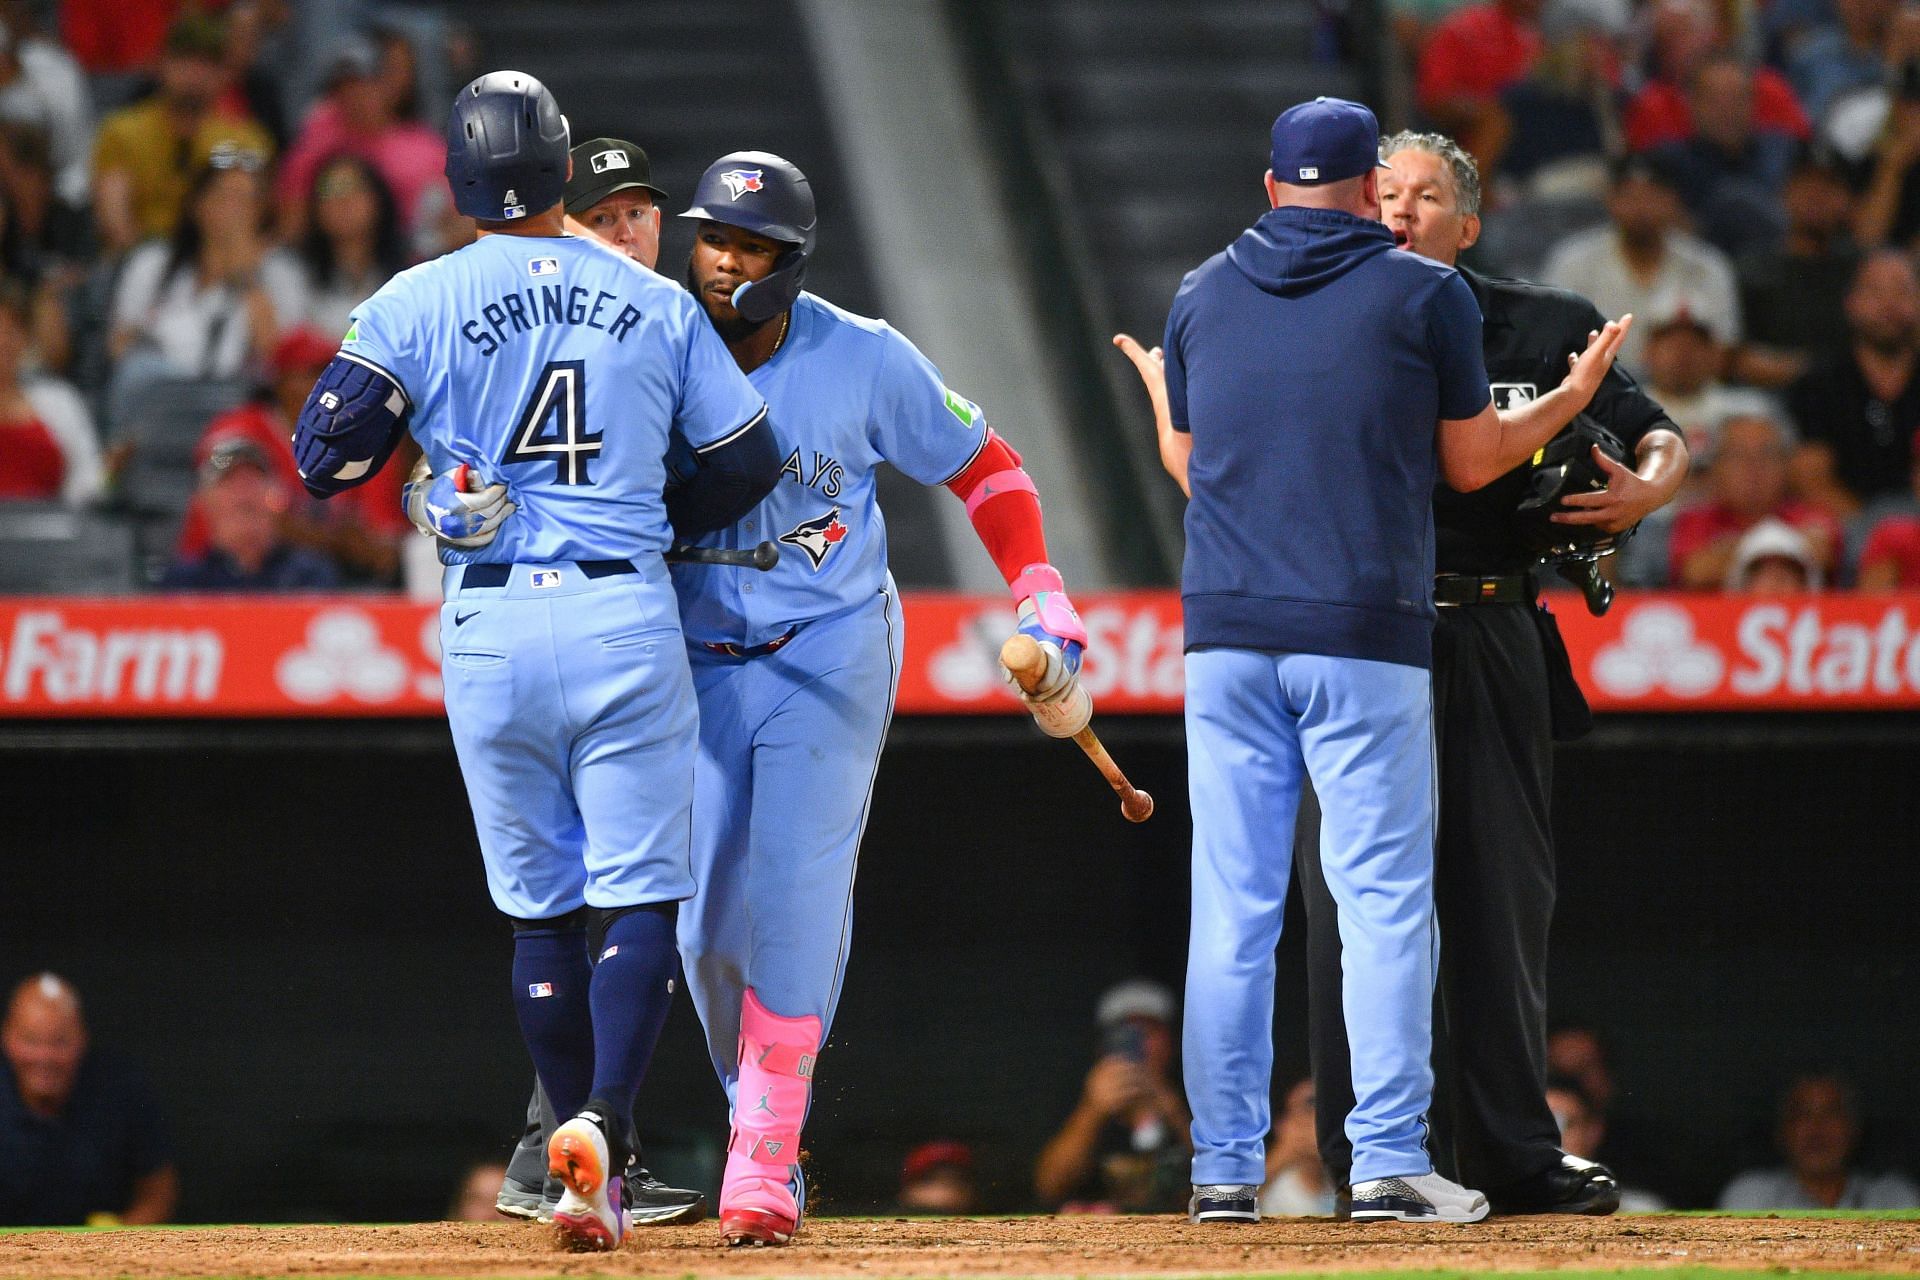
<point>194,195</point>
<point>1745,178</point>
<point>83,1138</point>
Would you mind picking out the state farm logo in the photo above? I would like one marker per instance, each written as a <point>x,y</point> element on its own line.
<point>1132,653</point>
<point>49,658</point>
<point>1786,652</point>
<point>1657,649</point>
<point>343,654</point>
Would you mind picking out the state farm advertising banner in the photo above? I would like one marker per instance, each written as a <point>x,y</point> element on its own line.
<point>377,656</point>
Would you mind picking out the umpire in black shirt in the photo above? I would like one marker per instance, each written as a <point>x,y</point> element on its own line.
<point>1499,675</point>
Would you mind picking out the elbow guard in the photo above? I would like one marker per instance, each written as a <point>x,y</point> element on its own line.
<point>351,422</point>
<point>729,479</point>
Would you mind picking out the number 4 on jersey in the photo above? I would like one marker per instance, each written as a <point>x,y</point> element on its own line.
<point>560,395</point>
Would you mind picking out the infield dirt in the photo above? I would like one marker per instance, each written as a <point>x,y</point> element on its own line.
<point>987,1246</point>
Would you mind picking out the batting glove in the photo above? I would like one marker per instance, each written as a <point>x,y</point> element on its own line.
<point>437,506</point>
<point>1049,617</point>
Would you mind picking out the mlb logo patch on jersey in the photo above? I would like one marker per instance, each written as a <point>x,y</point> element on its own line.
<point>817,537</point>
<point>539,990</point>
<point>545,577</point>
<point>544,267</point>
<point>741,181</point>
<point>1511,395</point>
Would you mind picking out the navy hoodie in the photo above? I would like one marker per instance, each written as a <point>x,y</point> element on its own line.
<point>1312,361</point>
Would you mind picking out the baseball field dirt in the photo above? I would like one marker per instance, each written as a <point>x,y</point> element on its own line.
<point>986,1247</point>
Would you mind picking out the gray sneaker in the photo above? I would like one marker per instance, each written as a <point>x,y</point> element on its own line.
<point>1227,1203</point>
<point>518,1200</point>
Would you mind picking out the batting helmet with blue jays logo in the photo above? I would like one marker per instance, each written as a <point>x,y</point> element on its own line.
<point>758,191</point>
<point>507,148</point>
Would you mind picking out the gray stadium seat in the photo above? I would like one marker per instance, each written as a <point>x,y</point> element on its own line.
<point>52,550</point>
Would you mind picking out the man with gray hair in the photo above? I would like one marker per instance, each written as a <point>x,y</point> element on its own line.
<point>1503,691</point>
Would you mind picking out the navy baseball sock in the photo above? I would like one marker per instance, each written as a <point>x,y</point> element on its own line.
<point>632,990</point>
<point>551,982</point>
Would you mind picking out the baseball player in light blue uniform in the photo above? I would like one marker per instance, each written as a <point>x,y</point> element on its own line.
<point>557,370</point>
<point>1316,378</point>
<point>796,669</point>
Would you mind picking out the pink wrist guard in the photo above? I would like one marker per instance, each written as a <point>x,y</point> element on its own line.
<point>1042,584</point>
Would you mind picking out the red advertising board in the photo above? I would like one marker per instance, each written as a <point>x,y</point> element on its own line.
<point>368,655</point>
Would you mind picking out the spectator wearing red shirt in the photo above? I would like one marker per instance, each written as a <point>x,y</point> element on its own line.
<point>48,451</point>
<point>1685,34</point>
<point>1746,484</point>
<point>1473,57</point>
<point>362,530</point>
<point>360,115</point>
<point>1890,560</point>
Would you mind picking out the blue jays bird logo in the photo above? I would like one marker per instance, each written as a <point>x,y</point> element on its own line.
<point>741,181</point>
<point>818,536</point>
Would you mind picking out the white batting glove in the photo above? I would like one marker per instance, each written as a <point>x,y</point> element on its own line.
<point>439,507</point>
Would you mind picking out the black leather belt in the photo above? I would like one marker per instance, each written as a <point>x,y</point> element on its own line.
<point>742,651</point>
<point>1452,590</point>
<point>497,575</point>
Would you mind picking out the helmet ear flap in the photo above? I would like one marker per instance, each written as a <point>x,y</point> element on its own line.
<point>765,298</point>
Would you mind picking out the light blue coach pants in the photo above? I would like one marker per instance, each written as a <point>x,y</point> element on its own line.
<point>1363,732</point>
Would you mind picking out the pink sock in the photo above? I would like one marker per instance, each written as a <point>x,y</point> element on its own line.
<point>770,1104</point>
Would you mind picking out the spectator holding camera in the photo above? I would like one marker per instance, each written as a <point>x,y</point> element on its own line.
<point>1126,1147</point>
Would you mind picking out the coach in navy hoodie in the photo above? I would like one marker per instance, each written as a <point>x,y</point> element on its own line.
<point>1320,377</point>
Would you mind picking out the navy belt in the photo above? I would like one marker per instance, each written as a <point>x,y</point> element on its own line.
<point>756,651</point>
<point>497,575</point>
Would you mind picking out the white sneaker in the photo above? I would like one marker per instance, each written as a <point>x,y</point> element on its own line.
<point>590,1217</point>
<point>1422,1197</point>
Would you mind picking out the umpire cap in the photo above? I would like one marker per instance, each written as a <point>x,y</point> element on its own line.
<point>758,191</point>
<point>506,148</point>
<point>604,167</point>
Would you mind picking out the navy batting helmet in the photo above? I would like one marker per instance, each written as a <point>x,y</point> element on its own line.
<point>757,191</point>
<point>506,148</point>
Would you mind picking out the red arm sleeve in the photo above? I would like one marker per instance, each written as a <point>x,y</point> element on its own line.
<point>1004,507</point>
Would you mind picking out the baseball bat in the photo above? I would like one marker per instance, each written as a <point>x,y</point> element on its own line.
<point>1023,658</point>
<point>762,557</point>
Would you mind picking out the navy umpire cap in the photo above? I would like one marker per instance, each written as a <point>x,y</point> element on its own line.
<point>506,148</point>
<point>1326,140</point>
<point>758,191</point>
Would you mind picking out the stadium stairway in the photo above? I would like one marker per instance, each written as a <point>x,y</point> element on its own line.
<point>690,80</point>
<point>1146,130</point>
<point>1159,115</point>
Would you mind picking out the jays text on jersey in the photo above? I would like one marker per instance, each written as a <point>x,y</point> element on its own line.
<point>848,393</point>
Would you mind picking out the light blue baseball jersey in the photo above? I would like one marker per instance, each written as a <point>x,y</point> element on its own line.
<point>596,359</point>
<point>848,393</point>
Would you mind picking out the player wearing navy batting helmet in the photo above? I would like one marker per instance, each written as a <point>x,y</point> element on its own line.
<point>552,373</point>
<point>810,654</point>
